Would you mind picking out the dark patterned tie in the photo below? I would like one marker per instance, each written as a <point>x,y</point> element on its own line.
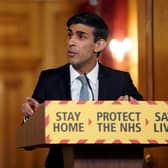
<point>84,94</point>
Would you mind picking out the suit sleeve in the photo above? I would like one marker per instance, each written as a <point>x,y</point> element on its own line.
<point>39,91</point>
<point>131,90</point>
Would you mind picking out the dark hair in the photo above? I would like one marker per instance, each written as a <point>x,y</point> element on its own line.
<point>90,19</point>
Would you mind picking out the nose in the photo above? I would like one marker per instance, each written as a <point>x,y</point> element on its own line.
<point>71,41</point>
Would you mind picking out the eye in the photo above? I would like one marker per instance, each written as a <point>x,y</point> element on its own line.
<point>82,36</point>
<point>69,35</point>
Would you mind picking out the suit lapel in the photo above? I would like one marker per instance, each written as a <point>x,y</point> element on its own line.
<point>107,89</point>
<point>65,91</point>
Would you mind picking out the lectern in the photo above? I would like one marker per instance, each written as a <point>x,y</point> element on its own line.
<point>101,134</point>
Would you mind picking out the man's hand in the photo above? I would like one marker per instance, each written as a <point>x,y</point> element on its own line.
<point>126,98</point>
<point>29,107</point>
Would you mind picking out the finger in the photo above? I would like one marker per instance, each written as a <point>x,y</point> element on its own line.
<point>126,97</point>
<point>32,101</point>
<point>120,98</point>
<point>27,110</point>
<point>132,99</point>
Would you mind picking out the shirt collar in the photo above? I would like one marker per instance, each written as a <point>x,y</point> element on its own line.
<point>92,75</point>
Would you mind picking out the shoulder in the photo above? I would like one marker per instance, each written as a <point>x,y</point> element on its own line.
<point>56,71</point>
<point>106,71</point>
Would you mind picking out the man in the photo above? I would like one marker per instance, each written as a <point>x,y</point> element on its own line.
<point>87,34</point>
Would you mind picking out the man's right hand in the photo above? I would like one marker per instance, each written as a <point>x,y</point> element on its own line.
<point>29,107</point>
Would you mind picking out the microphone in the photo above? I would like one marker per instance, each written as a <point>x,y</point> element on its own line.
<point>87,80</point>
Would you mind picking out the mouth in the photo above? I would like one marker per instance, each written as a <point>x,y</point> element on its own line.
<point>71,53</point>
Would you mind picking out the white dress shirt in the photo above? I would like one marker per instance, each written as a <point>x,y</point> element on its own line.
<point>76,84</point>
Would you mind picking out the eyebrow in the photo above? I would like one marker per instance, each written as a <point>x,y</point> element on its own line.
<point>78,32</point>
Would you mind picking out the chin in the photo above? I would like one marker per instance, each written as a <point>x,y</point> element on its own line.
<point>73,62</point>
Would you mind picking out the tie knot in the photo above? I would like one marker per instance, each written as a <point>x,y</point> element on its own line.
<point>82,79</point>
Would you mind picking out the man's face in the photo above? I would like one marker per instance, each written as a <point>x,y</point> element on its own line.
<point>81,46</point>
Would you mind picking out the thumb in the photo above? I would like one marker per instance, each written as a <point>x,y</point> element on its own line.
<point>132,99</point>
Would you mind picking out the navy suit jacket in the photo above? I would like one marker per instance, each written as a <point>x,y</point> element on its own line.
<point>54,84</point>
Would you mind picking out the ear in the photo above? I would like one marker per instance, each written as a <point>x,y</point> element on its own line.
<point>100,45</point>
